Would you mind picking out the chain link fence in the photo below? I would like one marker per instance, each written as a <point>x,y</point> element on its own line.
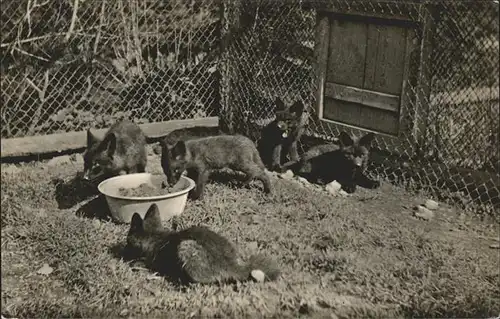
<point>449,128</point>
<point>70,64</point>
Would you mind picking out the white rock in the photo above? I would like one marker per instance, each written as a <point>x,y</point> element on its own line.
<point>286,175</point>
<point>333,187</point>
<point>431,204</point>
<point>424,213</point>
<point>258,275</point>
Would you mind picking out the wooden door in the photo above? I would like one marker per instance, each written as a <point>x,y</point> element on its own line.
<point>364,66</point>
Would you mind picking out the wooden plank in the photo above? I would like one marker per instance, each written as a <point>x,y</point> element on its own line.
<point>385,56</point>
<point>355,114</point>
<point>409,19</point>
<point>387,102</point>
<point>54,143</point>
<point>407,95</point>
<point>321,56</point>
<point>346,59</point>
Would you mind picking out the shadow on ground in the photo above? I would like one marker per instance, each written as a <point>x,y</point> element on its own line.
<point>74,191</point>
<point>96,208</point>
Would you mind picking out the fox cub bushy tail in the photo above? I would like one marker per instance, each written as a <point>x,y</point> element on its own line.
<point>121,151</point>
<point>202,155</point>
<point>280,137</point>
<point>345,162</point>
<point>192,255</point>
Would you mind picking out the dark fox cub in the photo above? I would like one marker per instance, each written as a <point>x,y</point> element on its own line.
<point>121,151</point>
<point>187,133</point>
<point>346,163</point>
<point>192,255</point>
<point>279,138</point>
<point>200,156</point>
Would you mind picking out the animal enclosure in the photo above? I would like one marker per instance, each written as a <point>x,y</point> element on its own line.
<point>422,74</point>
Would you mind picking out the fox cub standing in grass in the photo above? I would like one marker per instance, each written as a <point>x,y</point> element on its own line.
<point>346,163</point>
<point>200,156</point>
<point>279,138</point>
<point>192,255</point>
<point>121,151</point>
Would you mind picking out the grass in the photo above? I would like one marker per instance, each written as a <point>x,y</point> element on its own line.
<point>357,256</point>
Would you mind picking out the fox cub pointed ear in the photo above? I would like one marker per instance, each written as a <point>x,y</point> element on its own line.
<point>109,144</point>
<point>136,225</point>
<point>367,139</point>
<point>91,138</point>
<point>297,108</point>
<point>280,105</point>
<point>346,139</point>
<point>179,149</point>
<point>152,220</point>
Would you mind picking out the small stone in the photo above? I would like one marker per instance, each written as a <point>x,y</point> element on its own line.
<point>431,204</point>
<point>286,175</point>
<point>45,270</point>
<point>258,275</point>
<point>424,213</point>
<point>495,246</point>
<point>124,313</point>
<point>333,187</point>
<point>60,160</point>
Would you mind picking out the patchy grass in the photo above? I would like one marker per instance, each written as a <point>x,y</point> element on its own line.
<point>357,256</point>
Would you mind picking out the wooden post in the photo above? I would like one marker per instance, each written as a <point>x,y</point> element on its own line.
<point>422,101</point>
<point>229,26</point>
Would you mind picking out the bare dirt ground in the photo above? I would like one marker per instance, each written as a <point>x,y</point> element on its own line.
<point>364,255</point>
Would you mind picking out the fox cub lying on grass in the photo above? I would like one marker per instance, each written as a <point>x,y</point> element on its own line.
<point>192,255</point>
<point>121,151</point>
<point>202,155</point>
<point>346,163</point>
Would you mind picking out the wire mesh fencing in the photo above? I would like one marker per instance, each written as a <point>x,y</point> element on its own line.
<point>70,64</point>
<point>445,134</point>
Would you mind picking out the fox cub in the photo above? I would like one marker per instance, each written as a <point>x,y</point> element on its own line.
<point>121,151</point>
<point>346,163</point>
<point>192,255</point>
<point>200,156</point>
<point>279,138</point>
<point>187,133</point>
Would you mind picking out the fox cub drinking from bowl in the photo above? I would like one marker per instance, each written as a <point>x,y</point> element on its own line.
<point>202,155</point>
<point>192,255</point>
<point>121,151</point>
<point>346,163</point>
<point>280,137</point>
